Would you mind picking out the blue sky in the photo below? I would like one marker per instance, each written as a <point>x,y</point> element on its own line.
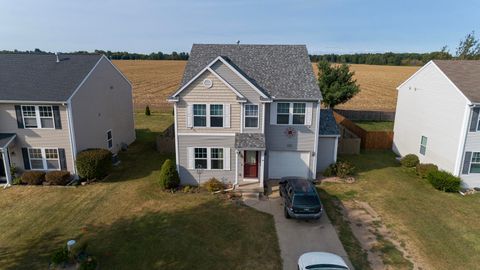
<point>326,26</point>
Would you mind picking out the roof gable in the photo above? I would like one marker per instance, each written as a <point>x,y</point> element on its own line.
<point>38,77</point>
<point>464,74</point>
<point>277,71</point>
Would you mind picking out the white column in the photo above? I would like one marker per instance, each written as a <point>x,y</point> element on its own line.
<point>236,167</point>
<point>262,167</point>
<point>6,165</point>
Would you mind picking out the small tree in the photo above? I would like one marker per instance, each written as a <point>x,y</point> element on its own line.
<point>336,83</point>
<point>147,111</point>
<point>468,48</point>
<point>169,176</point>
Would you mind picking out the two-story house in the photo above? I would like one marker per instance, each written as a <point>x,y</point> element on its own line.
<point>437,117</point>
<point>246,113</point>
<point>54,106</point>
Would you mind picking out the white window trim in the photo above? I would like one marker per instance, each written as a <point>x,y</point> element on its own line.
<point>478,123</point>
<point>37,117</point>
<point>290,114</point>
<point>111,139</point>
<point>44,159</point>
<point>471,162</point>
<point>422,145</point>
<point>208,115</point>
<point>209,158</point>
<point>245,116</point>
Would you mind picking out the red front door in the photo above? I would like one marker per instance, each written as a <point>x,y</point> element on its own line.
<point>250,164</point>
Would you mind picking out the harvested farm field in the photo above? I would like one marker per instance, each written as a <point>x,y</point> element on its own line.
<point>154,80</point>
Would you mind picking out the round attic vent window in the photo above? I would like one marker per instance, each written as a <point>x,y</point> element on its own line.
<point>207,83</point>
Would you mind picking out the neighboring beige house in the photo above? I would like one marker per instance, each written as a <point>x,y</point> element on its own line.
<point>246,113</point>
<point>52,107</point>
<point>437,117</point>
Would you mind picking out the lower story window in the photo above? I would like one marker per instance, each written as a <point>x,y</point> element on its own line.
<point>109,139</point>
<point>475,163</point>
<point>200,158</point>
<point>44,158</point>
<point>216,158</point>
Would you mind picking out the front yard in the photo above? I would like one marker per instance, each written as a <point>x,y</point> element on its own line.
<point>129,223</point>
<point>441,228</point>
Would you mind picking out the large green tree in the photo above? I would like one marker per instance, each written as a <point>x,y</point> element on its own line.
<point>336,83</point>
<point>469,47</point>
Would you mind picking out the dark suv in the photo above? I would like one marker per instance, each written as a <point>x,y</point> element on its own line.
<point>300,198</point>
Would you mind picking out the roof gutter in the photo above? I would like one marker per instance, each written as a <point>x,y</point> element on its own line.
<point>32,102</point>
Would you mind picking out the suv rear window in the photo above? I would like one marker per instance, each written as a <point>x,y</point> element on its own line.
<point>306,200</point>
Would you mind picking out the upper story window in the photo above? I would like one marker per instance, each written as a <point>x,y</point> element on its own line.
<point>44,158</point>
<point>37,116</point>
<point>199,115</point>
<point>423,145</point>
<point>251,116</point>
<point>216,115</point>
<point>291,113</point>
<point>109,139</point>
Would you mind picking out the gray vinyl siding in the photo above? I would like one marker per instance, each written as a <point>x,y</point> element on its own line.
<point>48,138</point>
<point>472,144</point>
<point>104,102</point>
<point>191,176</point>
<point>326,152</point>
<point>243,88</point>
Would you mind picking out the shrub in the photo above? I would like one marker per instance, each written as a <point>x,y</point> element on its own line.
<point>330,171</point>
<point>444,181</point>
<point>60,178</point>
<point>33,177</point>
<point>60,256</point>
<point>17,181</point>
<point>409,161</point>
<point>147,111</point>
<point>94,163</point>
<point>190,189</point>
<point>168,175</point>
<point>90,263</point>
<point>344,169</point>
<point>213,184</point>
<point>424,169</point>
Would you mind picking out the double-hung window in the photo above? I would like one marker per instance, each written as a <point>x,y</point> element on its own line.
<point>251,116</point>
<point>37,116</point>
<point>216,115</point>
<point>44,158</point>
<point>199,115</point>
<point>423,145</point>
<point>216,158</point>
<point>298,113</point>
<point>201,158</point>
<point>475,163</point>
<point>291,113</point>
<point>283,113</point>
<point>109,139</point>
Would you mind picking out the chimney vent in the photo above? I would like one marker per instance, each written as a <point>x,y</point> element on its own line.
<point>58,59</point>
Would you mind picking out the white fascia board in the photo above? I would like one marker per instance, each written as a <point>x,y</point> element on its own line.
<point>414,74</point>
<point>32,102</point>
<point>225,82</point>
<point>84,80</point>
<point>450,81</point>
<point>118,70</point>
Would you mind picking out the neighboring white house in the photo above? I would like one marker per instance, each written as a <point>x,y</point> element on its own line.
<point>437,117</point>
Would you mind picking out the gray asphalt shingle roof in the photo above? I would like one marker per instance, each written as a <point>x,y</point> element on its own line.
<point>465,74</point>
<point>328,125</point>
<point>250,141</point>
<point>4,139</point>
<point>38,77</point>
<point>279,71</point>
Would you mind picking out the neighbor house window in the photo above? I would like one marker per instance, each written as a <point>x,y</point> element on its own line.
<point>38,116</point>
<point>475,163</point>
<point>44,158</point>
<point>298,113</point>
<point>423,145</point>
<point>109,139</point>
<point>216,115</point>
<point>251,116</point>
<point>201,158</point>
<point>199,115</point>
<point>216,158</point>
<point>283,113</point>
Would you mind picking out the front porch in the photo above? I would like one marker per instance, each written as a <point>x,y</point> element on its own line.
<point>5,174</point>
<point>250,162</point>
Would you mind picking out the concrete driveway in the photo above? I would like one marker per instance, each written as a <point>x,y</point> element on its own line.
<point>299,236</point>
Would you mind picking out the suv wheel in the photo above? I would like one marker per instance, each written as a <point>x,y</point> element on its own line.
<point>285,211</point>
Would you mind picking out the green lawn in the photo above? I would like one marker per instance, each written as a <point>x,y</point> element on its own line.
<point>129,223</point>
<point>443,228</point>
<point>375,125</point>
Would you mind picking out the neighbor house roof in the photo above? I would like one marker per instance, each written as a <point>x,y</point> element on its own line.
<point>465,74</point>
<point>38,77</point>
<point>328,125</point>
<point>249,141</point>
<point>279,71</point>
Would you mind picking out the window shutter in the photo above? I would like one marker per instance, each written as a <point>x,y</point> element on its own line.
<point>273,113</point>
<point>18,112</point>
<point>466,163</point>
<point>308,113</point>
<point>56,117</point>
<point>474,120</point>
<point>63,160</point>
<point>189,116</point>
<point>191,158</point>
<point>226,115</point>
<point>226,159</point>
<point>26,161</point>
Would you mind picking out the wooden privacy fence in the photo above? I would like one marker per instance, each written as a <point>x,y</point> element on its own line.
<point>369,139</point>
<point>355,115</point>
<point>348,143</point>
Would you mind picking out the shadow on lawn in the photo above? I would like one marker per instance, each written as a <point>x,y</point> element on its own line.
<point>140,160</point>
<point>372,160</point>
